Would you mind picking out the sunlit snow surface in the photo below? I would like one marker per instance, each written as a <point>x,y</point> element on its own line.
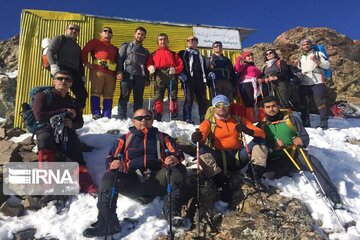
<point>340,158</point>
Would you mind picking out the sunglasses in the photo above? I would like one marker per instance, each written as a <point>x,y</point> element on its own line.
<point>74,29</point>
<point>107,30</point>
<point>221,105</point>
<point>268,53</point>
<point>140,118</point>
<point>191,40</point>
<point>67,79</point>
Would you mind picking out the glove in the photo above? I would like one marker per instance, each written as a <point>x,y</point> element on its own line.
<point>212,76</point>
<point>196,136</point>
<point>183,77</point>
<point>172,71</point>
<point>151,69</point>
<point>242,128</point>
<point>54,68</point>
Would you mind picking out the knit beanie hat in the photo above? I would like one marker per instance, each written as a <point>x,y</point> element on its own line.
<point>220,99</point>
<point>245,54</point>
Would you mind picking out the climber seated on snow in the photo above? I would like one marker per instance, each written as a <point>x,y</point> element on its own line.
<point>137,165</point>
<point>60,136</point>
<point>222,149</point>
<point>284,131</point>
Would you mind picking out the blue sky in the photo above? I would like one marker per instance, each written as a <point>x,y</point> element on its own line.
<point>271,18</point>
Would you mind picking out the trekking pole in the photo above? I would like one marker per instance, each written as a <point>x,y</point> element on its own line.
<point>170,91</point>
<point>186,102</point>
<point>280,98</point>
<point>256,185</point>
<point>150,91</point>
<point>198,186</point>
<point>168,173</point>
<point>322,192</point>
<point>213,83</point>
<point>302,174</point>
<point>113,193</point>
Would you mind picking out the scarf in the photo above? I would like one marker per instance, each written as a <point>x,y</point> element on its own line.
<point>221,118</point>
<point>193,52</point>
<point>269,63</point>
<point>277,117</point>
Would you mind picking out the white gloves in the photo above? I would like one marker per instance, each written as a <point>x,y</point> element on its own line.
<point>151,69</point>
<point>54,68</point>
<point>172,71</point>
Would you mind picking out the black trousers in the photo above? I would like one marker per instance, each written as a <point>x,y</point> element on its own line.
<point>130,185</point>
<point>72,148</point>
<point>78,86</point>
<point>318,93</point>
<point>194,88</point>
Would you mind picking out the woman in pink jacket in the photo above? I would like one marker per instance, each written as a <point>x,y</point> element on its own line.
<point>248,88</point>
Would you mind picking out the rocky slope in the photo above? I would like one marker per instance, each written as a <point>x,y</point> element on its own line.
<point>9,52</point>
<point>344,57</point>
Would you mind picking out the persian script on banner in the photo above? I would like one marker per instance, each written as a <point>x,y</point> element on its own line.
<point>230,38</point>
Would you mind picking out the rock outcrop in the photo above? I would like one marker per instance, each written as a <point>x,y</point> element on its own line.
<point>344,57</point>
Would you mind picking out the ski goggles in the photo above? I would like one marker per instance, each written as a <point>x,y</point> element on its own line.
<point>221,105</point>
<point>140,118</point>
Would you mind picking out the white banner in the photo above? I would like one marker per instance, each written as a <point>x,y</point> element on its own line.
<point>230,38</point>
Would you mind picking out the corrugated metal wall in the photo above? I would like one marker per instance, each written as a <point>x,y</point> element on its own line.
<point>37,24</point>
<point>34,28</point>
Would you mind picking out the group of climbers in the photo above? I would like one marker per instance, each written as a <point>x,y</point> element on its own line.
<point>155,165</point>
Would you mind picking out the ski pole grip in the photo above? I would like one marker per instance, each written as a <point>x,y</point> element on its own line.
<point>120,157</point>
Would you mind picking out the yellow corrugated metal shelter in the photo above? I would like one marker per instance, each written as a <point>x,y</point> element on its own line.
<point>39,24</point>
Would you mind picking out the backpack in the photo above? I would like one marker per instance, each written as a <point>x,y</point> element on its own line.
<point>343,109</point>
<point>27,113</point>
<point>44,46</point>
<point>321,48</point>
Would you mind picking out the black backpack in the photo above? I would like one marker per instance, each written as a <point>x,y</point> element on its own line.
<point>27,113</point>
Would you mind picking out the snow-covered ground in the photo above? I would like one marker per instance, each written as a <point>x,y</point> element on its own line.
<point>340,158</point>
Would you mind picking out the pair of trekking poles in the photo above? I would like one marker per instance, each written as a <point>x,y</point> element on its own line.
<point>171,105</point>
<point>305,178</point>
<point>317,186</point>
<point>114,192</point>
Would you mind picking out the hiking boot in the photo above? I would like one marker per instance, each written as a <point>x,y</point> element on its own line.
<point>323,124</point>
<point>177,220</point>
<point>94,224</point>
<point>99,230</point>
<point>96,116</point>
<point>223,186</point>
